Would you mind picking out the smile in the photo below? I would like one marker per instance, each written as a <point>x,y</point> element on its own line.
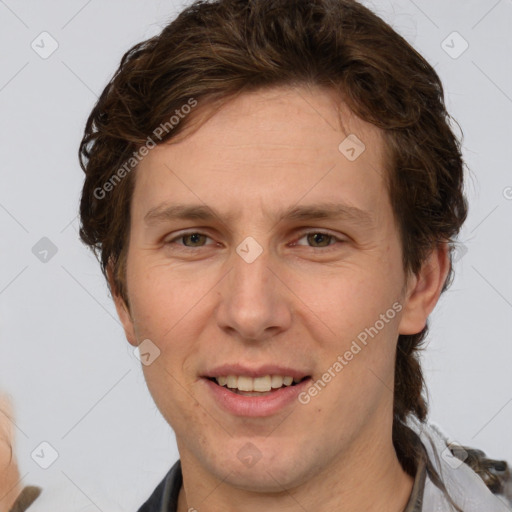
<point>239,402</point>
<point>259,386</point>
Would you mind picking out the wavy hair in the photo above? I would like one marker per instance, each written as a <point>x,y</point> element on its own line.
<point>216,50</point>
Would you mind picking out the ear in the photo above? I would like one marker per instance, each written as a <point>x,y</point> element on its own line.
<point>123,311</point>
<point>424,289</point>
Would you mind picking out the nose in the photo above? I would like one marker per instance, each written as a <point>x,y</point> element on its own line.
<point>254,302</point>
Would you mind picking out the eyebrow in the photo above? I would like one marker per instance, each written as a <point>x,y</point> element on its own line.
<point>330,211</point>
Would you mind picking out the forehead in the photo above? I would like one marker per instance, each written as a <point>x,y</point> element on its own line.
<point>269,147</point>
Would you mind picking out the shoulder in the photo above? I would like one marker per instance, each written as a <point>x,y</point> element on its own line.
<point>462,476</point>
<point>27,496</point>
<point>165,496</point>
<point>494,473</point>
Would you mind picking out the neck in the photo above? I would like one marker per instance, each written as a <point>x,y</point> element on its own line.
<point>374,482</point>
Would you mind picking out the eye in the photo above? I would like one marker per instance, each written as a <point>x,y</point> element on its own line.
<point>318,239</point>
<point>196,239</point>
<point>192,239</point>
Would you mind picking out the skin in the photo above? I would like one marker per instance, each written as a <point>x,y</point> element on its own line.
<point>301,303</point>
<point>10,486</point>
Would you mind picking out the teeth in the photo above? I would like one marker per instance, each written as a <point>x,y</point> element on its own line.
<point>232,381</point>
<point>261,384</point>
<point>245,383</point>
<point>277,381</point>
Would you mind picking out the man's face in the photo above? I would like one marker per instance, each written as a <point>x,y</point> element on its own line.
<point>202,292</point>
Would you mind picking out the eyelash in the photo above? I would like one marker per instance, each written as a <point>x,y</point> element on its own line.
<point>302,235</point>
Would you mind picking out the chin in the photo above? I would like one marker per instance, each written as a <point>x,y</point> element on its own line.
<point>265,480</point>
<point>272,473</point>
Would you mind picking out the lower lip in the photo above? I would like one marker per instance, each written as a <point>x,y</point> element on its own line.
<point>256,406</point>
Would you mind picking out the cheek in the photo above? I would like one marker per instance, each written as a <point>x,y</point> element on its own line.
<point>341,302</point>
<point>352,316</point>
<point>169,307</point>
<point>162,298</point>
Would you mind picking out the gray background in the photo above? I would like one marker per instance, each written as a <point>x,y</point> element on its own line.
<point>63,358</point>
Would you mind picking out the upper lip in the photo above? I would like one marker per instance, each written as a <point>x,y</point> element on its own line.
<point>266,369</point>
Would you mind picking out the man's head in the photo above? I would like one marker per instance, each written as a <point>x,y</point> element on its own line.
<point>260,113</point>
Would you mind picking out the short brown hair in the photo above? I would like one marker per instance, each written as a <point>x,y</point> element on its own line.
<point>215,50</point>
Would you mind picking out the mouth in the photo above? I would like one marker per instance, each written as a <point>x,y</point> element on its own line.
<point>260,396</point>
<point>255,391</point>
<point>256,387</point>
